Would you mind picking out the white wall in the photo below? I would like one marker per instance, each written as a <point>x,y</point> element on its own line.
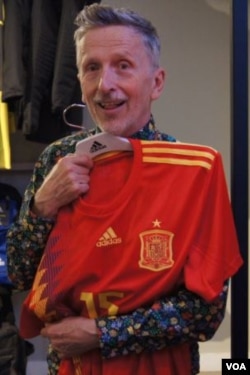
<point>195,105</point>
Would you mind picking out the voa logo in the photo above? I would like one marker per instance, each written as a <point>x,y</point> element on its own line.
<point>230,366</point>
<point>236,366</point>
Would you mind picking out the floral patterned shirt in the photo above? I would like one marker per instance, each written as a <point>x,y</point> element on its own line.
<point>182,317</point>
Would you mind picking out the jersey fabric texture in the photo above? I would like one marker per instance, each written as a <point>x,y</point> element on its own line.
<point>110,256</point>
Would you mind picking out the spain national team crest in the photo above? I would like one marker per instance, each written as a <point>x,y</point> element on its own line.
<point>156,250</point>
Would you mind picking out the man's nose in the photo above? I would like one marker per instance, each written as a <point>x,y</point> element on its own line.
<point>107,80</point>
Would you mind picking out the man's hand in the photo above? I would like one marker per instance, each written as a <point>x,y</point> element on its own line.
<point>68,179</point>
<point>72,336</point>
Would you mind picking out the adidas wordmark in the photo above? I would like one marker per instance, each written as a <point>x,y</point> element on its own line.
<point>109,237</point>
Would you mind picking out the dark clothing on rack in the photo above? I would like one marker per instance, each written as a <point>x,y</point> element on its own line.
<point>40,64</point>
<point>15,48</point>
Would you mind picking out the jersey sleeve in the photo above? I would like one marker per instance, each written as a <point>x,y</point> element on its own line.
<point>215,255</point>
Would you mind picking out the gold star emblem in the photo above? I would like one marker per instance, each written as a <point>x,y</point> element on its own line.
<point>156,223</point>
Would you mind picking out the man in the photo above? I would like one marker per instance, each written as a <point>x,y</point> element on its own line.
<point>110,295</point>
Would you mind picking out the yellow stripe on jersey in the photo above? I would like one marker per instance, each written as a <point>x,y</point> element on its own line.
<point>106,155</point>
<point>186,154</point>
<point>167,150</point>
<point>190,162</point>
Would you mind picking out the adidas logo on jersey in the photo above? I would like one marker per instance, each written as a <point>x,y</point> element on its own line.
<point>109,237</point>
<point>97,146</point>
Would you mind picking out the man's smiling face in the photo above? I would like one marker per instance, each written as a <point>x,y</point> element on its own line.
<point>118,79</point>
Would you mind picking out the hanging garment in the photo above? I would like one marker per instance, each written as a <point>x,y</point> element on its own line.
<point>45,81</point>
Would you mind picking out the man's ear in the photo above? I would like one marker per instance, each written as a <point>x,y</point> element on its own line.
<point>158,83</point>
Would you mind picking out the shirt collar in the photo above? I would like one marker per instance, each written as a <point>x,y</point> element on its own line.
<point>148,132</point>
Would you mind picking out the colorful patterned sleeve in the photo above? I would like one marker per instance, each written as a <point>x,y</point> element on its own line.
<point>170,321</point>
<point>27,237</point>
<point>26,240</point>
<point>185,317</point>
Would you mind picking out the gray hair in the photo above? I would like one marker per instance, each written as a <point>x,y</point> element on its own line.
<point>96,15</point>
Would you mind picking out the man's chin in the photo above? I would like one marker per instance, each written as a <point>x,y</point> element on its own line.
<point>111,128</point>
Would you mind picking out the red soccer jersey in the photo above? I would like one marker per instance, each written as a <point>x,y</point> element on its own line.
<point>153,221</point>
